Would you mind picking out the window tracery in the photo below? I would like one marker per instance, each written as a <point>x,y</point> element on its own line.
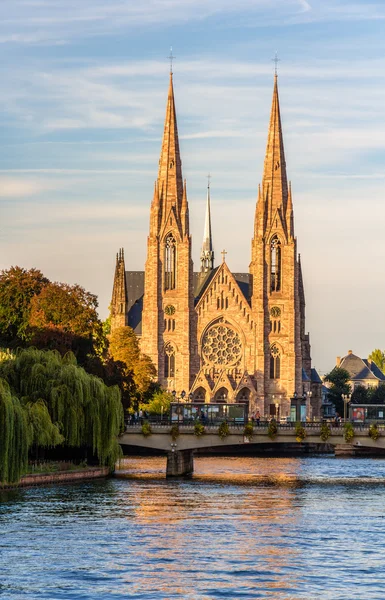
<point>221,345</point>
<point>169,360</point>
<point>275,264</point>
<point>170,263</point>
<point>275,362</point>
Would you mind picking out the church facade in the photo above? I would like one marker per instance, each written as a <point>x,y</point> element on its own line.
<point>217,335</point>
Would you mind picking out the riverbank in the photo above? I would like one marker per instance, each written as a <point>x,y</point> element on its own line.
<point>34,479</point>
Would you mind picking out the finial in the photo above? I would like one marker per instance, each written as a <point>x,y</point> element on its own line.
<point>171,58</point>
<point>208,180</point>
<point>276,60</point>
<point>223,255</point>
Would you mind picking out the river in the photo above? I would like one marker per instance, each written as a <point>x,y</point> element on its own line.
<point>279,528</point>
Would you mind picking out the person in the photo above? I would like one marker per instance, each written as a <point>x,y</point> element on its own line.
<point>252,417</point>
<point>140,416</point>
<point>258,417</point>
<point>337,420</point>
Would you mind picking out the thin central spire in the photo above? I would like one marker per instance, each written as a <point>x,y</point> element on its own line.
<point>207,254</point>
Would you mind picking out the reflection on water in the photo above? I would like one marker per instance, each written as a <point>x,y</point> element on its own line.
<point>282,528</point>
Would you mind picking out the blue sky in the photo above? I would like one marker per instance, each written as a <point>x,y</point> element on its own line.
<point>82,104</point>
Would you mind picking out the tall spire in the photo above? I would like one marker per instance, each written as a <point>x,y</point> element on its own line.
<point>118,308</point>
<point>170,181</point>
<point>274,183</point>
<point>207,254</point>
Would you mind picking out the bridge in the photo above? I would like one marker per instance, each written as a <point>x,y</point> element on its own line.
<point>180,447</point>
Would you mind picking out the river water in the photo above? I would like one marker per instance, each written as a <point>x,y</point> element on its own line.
<point>279,528</point>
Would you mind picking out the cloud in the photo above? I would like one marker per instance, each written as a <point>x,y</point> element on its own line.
<point>20,188</point>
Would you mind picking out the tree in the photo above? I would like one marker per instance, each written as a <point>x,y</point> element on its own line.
<point>64,317</point>
<point>339,379</point>
<point>159,403</point>
<point>124,347</point>
<point>377,394</point>
<point>360,395</point>
<point>17,288</point>
<point>378,357</point>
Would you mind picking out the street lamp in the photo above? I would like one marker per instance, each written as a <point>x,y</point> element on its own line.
<point>346,398</point>
<point>182,395</point>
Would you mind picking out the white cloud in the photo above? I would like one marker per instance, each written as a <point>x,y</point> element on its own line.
<point>20,188</point>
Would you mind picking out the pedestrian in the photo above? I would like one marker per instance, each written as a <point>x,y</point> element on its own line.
<point>140,415</point>
<point>257,417</point>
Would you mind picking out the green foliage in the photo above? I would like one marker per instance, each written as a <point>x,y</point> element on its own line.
<point>339,385</point>
<point>360,395</point>
<point>146,429</point>
<point>377,394</point>
<point>300,432</point>
<point>82,407</point>
<point>378,357</point>
<point>224,430</point>
<point>272,429</point>
<point>14,436</point>
<point>374,432</point>
<point>248,431</point>
<point>199,429</point>
<point>325,432</point>
<point>159,403</point>
<point>174,431</point>
<point>348,432</point>
<point>17,288</point>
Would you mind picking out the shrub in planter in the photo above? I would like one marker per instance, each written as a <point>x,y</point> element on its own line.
<point>174,431</point>
<point>373,432</point>
<point>348,432</point>
<point>223,430</point>
<point>146,429</point>
<point>199,429</point>
<point>272,430</point>
<point>248,431</point>
<point>325,432</point>
<point>300,432</point>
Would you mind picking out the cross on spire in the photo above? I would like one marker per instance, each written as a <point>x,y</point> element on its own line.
<point>171,58</point>
<point>276,60</point>
<point>208,180</point>
<point>223,255</point>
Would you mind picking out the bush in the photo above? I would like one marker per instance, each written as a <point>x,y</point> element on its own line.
<point>174,431</point>
<point>199,429</point>
<point>272,430</point>
<point>348,432</point>
<point>146,429</point>
<point>223,430</point>
<point>248,431</point>
<point>300,432</point>
<point>325,432</point>
<point>373,432</point>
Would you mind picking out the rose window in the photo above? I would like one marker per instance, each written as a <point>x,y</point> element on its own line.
<point>221,345</point>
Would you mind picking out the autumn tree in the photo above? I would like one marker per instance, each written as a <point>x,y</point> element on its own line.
<point>124,347</point>
<point>17,288</point>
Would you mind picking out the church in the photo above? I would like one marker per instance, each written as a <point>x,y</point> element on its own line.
<point>216,335</point>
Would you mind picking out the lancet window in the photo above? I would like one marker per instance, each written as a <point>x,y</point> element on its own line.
<point>170,263</point>
<point>275,362</point>
<point>169,361</point>
<point>275,264</point>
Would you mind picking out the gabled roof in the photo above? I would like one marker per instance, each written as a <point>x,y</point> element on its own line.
<point>375,369</point>
<point>315,378</point>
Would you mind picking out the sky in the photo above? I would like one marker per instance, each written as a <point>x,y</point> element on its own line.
<point>83,89</point>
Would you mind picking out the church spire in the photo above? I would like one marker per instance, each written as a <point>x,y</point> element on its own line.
<point>119,298</point>
<point>170,181</point>
<point>290,214</point>
<point>207,254</point>
<point>274,183</point>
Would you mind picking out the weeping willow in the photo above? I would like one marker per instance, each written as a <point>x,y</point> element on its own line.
<point>14,436</point>
<point>61,399</point>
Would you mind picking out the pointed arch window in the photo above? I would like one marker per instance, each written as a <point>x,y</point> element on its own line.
<point>170,263</point>
<point>169,361</point>
<point>275,362</point>
<point>275,264</point>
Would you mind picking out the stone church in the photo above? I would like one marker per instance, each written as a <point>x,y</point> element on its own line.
<point>216,335</point>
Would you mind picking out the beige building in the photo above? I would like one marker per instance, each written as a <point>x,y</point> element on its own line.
<point>363,372</point>
<point>218,335</point>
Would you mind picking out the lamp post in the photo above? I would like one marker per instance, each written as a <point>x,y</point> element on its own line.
<point>308,404</point>
<point>346,398</point>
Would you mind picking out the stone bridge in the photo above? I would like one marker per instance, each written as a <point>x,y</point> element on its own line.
<point>180,450</point>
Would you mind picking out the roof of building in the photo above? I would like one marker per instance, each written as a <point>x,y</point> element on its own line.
<point>315,378</point>
<point>305,376</point>
<point>358,368</point>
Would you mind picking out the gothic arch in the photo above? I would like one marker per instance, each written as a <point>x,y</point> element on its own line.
<point>199,395</point>
<point>169,360</point>
<point>275,262</point>
<point>275,365</point>
<point>222,395</point>
<point>243,395</point>
<point>170,250</point>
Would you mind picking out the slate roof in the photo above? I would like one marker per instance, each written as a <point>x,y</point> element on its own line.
<point>375,370</point>
<point>357,368</point>
<point>135,292</point>
<point>315,378</point>
<point>305,376</point>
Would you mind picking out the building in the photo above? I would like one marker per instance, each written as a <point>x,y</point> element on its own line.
<point>218,335</point>
<point>363,372</point>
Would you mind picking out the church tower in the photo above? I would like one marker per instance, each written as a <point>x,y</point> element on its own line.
<point>118,308</point>
<point>274,274</point>
<point>168,318</point>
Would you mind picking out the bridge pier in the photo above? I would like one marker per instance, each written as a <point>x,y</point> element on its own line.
<point>180,462</point>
